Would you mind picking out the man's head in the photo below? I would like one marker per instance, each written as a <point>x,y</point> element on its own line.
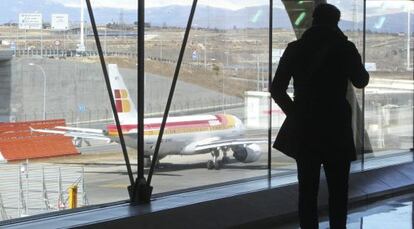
<point>326,14</point>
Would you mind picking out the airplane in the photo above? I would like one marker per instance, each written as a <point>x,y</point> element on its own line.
<point>183,135</point>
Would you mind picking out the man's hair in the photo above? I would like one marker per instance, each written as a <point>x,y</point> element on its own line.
<point>326,14</point>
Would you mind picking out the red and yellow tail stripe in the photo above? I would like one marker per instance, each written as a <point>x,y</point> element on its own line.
<point>122,102</point>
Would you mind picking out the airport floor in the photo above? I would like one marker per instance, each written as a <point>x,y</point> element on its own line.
<point>391,213</point>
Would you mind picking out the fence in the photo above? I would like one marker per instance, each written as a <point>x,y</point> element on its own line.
<point>30,189</point>
<point>69,53</point>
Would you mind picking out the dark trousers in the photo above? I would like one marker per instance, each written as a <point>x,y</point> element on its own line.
<point>337,174</point>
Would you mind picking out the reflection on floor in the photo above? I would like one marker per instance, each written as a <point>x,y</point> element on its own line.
<point>396,212</point>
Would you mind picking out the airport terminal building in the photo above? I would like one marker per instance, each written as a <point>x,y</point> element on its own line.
<point>158,114</point>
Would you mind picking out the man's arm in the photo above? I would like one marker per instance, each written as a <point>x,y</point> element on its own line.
<point>281,82</point>
<point>355,69</point>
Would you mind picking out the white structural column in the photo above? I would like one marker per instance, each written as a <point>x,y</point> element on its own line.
<point>82,30</point>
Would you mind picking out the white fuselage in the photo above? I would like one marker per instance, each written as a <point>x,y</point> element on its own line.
<point>182,132</point>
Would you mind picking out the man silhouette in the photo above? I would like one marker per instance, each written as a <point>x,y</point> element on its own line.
<point>321,63</point>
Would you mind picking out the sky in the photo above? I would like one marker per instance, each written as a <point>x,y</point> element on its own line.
<point>228,4</point>
<point>132,4</point>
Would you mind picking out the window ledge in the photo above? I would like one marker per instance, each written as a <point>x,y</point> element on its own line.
<point>229,205</point>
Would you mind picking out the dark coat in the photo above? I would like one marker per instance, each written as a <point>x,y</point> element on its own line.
<point>321,64</point>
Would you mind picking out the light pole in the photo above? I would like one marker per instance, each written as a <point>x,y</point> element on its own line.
<point>44,88</point>
<point>257,66</point>
<point>205,52</point>
<point>105,42</point>
<point>408,37</point>
<point>227,59</point>
<point>161,50</point>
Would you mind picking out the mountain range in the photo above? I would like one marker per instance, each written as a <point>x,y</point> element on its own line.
<point>205,16</point>
<point>257,17</point>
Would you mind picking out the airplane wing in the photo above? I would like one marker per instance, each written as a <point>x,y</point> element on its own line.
<point>83,133</point>
<point>228,142</point>
<point>87,130</point>
<point>213,143</point>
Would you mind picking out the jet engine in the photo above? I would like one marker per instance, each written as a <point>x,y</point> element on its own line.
<point>247,154</point>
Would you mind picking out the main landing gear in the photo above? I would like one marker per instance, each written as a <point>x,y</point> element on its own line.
<point>216,163</point>
<point>78,142</point>
<point>148,161</point>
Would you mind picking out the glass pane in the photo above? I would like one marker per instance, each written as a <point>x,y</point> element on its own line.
<point>225,59</point>
<point>389,96</point>
<point>52,83</point>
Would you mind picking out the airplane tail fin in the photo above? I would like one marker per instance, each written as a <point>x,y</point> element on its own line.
<point>125,107</point>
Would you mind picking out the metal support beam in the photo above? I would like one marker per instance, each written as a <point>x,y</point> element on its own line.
<point>363,89</point>
<point>110,93</point>
<point>172,90</point>
<point>141,192</point>
<point>270,70</point>
<point>141,83</point>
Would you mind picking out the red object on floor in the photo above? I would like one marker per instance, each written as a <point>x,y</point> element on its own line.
<point>17,142</point>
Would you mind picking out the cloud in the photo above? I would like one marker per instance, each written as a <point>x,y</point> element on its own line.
<point>228,4</point>
<point>120,4</point>
<point>133,4</point>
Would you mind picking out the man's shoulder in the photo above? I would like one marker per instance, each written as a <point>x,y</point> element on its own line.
<point>349,48</point>
<point>348,45</point>
<point>293,46</point>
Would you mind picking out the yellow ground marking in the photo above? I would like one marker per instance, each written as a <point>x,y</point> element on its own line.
<point>114,185</point>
